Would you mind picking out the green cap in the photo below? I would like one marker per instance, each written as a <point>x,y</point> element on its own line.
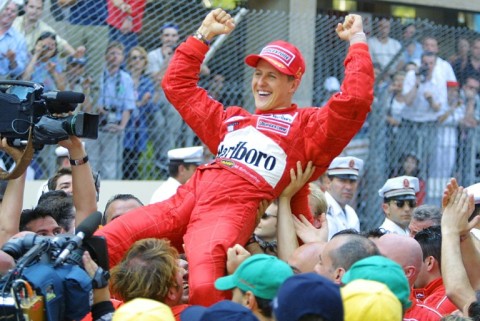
<point>261,274</point>
<point>383,270</point>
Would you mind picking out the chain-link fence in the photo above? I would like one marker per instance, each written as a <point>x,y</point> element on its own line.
<point>392,142</point>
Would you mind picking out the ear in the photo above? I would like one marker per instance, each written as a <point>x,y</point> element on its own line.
<point>339,272</point>
<point>386,209</point>
<point>430,263</point>
<point>181,168</point>
<point>410,271</point>
<point>249,301</point>
<point>294,85</point>
<point>172,294</point>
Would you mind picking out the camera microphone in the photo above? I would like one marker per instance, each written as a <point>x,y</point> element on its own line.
<point>64,97</point>
<point>84,230</point>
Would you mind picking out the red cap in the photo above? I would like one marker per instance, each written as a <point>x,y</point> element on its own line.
<point>452,84</point>
<point>282,55</point>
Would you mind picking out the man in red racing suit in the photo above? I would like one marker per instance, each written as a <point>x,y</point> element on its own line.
<point>217,207</point>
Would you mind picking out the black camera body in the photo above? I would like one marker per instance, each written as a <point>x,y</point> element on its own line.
<point>48,282</point>
<point>422,73</point>
<point>25,105</point>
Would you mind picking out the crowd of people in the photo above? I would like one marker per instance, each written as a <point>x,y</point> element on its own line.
<point>263,231</point>
<point>417,91</point>
<point>120,79</point>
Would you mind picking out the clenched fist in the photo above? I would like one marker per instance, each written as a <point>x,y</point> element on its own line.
<point>217,22</point>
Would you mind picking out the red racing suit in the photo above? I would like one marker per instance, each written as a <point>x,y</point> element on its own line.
<point>430,303</point>
<point>216,208</point>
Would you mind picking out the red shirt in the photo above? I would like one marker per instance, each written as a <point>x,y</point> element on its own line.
<point>429,303</point>
<point>116,16</point>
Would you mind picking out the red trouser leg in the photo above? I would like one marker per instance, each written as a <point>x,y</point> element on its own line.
<point>167,219</point>
<point>223,216</point>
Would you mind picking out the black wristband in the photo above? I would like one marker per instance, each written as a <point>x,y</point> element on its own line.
<point>76,162</point>
<point>100,279</point>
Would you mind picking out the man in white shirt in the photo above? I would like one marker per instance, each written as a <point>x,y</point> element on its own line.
<point>399,201</point>
<point>382,47</point>
<point>159,58</point>
<point>343,174</point>
<point>31,27</point>
<point>182,164</point>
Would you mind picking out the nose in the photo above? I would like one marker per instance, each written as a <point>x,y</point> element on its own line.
<point>260,80</point>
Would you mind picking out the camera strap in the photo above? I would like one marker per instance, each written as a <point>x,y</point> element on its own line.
<point>21,164</point>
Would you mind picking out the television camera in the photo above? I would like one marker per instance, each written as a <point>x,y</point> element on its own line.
<point>26,106</point>
<point>48,282</point>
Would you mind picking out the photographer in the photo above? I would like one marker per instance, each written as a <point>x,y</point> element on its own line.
<point>423,105</point>
<point>115,104</point>
<point>78,80</point>
<point>44,66</point>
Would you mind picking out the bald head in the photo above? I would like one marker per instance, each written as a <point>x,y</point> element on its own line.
<point>405,251</point>
<point>304,258</point>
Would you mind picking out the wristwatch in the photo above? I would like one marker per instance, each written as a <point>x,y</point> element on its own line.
<point>201,37</point>
<point>76,162</point>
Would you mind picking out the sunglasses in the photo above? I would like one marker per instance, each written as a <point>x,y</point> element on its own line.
<point>266,216</point>
<point>401,203</point>
<point>137,57</point>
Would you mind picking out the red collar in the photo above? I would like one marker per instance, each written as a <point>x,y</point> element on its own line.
<point>422,293</point>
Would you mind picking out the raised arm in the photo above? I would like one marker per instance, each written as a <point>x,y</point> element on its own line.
<point>332,127</point>
<point>83,186</point>
<point>456,230</point>
<point>287,240</point>
<point>180,82</point>
<point>12,203</point>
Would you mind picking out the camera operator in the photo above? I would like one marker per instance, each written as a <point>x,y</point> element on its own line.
<point>423,105</point>
<point>41,220</point>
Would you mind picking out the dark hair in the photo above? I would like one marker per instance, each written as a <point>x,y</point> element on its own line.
<point>169,24</point>
<point>29,215</point>
<point>403,159</point>
<point>348,231</point>
<point>355,248</point>
<point>430,240</point>
<point>474,74</point>
<point>404,27</point>
<point>173,167</point>
<point>52,182</point>
<point>45,35</point>
<point>264,305</point>
<point>48,35</point>
<point>428,54</point>
<point>474,311</point>
<point>123,197</point>
<point>58,205</point>
<point>375,233</point>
